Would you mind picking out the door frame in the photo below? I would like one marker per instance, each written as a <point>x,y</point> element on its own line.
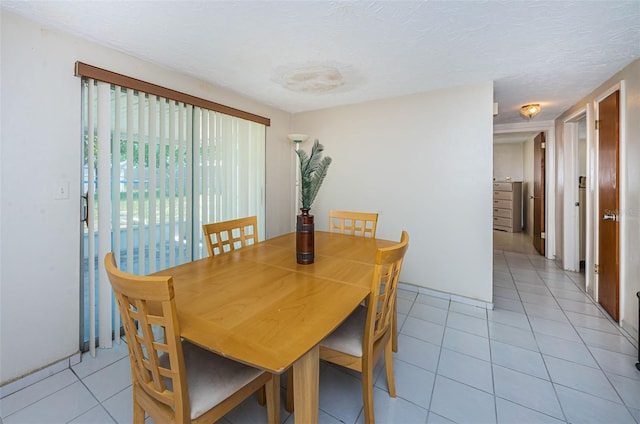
<point>571,257</point>
<point>622,142</point>
<point>548,128</point>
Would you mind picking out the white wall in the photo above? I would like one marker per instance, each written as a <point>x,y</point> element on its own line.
<point>411,160</point>
<point>629,186</point>
<point>508,161</point>
<point>39,266</point>
<point>582,146</point>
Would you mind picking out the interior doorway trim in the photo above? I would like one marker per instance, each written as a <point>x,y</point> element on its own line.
<point>571,259</point>
<point>548,127</point>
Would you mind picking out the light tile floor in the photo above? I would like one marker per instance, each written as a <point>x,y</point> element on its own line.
<point>546,353</point>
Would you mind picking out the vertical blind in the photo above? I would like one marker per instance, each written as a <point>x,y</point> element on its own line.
<point>155,170</point>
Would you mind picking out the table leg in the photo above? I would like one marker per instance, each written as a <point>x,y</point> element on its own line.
<point>306,383</point>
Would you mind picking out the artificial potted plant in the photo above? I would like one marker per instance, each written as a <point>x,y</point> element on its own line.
<point>313,170</point>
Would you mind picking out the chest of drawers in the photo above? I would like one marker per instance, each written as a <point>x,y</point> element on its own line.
<point>507,206</point>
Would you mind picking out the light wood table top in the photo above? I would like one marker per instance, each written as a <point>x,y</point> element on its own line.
<point>257,305</point>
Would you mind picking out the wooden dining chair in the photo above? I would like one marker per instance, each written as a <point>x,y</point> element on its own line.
<point>227,236</point>
<point>355,223</point>
<point>359,342</point>
<point>230,235</point>
<point>174,380</point>
<point>364,224</point>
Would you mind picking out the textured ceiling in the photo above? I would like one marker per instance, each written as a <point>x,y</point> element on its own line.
<point>306,55</point>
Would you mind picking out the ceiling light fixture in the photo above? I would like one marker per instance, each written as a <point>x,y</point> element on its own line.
<point>529,111</point>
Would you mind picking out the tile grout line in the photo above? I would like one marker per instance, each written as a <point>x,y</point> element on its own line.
<point>435,378</point>
<point>554,384</point>
<point>546,366</point>
<point>40,399</point>
<point>564,415</point>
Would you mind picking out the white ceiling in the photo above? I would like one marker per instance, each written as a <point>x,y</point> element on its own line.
<point>547,52</point>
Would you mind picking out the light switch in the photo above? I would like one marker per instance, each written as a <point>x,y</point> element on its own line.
<point>61,190</point>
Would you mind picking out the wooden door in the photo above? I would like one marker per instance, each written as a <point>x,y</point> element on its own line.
<point>608,204</point>
<point>538,193</point>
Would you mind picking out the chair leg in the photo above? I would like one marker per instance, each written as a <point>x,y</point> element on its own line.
<point>367,394</point>
<point>262,397</point>
<point>272,389</point>
<point>288,404</point>
<point>394,327</point>
<point>388,364</point>
<point>138,412</point>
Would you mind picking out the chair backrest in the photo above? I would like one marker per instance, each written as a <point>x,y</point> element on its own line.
<point>148,311</point>
<point>382,298</point>
<point>230,235</point>
<point>355,223</point>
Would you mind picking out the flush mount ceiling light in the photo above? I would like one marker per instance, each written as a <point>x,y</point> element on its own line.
<point>529,111</point>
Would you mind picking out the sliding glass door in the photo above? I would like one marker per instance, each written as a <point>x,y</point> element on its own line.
<point>155,170</point>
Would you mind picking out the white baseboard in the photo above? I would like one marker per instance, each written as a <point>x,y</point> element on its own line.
<point>447,296</point>
<point>32,378</point>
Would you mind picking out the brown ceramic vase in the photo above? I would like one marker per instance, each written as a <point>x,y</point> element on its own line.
<point>305,238</point>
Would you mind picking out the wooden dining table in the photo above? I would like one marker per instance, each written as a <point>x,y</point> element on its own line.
<point>258,306</point>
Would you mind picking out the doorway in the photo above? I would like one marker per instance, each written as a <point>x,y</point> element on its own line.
<point>575,184</point>
<point>522,136</point>
<point>582,193</point>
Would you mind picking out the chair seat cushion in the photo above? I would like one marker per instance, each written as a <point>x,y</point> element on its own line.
<point>211,378</point>
<point>349,336</point>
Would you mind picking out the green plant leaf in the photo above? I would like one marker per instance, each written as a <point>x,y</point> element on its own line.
<point>318,177</point>
<point>313,170</point>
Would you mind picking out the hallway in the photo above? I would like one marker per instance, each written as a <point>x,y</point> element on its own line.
<point>513,242</point>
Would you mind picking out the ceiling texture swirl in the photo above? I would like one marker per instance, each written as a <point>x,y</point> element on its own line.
<point>307,55</point>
